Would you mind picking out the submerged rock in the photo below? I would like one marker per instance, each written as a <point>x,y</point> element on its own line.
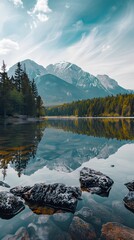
<point>130,185</point>
<point>3,184</point>
<point>21,234</point>
<point>87,215</point>
<point>114,231</point>
<point>95,182</point>
<point>79,229</point>
<point>56,195</point>
<point>129,198</point>
<point>10,205</point>
<point>129,201</point>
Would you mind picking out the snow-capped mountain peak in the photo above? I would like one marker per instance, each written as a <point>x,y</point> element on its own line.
<point>33,69</point>
<point>65,82</point>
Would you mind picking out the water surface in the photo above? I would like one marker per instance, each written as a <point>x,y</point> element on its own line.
<point>55,151</point>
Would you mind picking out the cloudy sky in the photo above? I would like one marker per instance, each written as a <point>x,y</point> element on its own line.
<point>97,35</point>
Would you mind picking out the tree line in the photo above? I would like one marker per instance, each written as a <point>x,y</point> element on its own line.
<point>18,94</point>
<point>117,128</point>
<point>120,105</point>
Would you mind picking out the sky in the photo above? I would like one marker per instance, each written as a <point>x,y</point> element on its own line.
<point>97,35</point>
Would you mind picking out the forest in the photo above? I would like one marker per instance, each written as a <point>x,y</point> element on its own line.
<point>115,106</point>
<point>18,94</point>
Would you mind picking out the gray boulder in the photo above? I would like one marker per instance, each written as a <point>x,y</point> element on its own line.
<point>129,198</point>
<point>10,205</point>
<point>56,195</point>
<point>20,190</point>
<point>130,186</point>
<point>3,184</point>
<point>95,182</point>
<point>129,201</point>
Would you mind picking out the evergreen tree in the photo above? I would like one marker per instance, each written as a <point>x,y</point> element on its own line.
<point>120,105</point>
<point>40,109</point>
<point>5,87</point>
<point>34,89</point>
<point>18,95</point>
<point>18,77</point>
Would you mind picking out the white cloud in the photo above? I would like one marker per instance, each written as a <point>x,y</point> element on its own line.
<point>17,3</point>
<point>41,6</point>
<point>7,45</point>
<point>42,17</point>
<point>40,11</point>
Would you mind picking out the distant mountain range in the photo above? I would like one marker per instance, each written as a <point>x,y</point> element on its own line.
<point>66,82</point>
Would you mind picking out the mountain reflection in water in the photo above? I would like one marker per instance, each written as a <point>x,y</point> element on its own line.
<point>30,147</point>
<point>55,151</point>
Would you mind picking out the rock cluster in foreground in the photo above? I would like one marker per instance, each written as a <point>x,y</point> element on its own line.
<point>55,195</point>
<point>95,182</point>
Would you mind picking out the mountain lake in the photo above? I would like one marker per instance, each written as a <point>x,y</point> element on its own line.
<point>54,151</point>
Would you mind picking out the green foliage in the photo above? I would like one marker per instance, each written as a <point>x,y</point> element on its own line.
<point>18,95</point>
<point>111,106</point>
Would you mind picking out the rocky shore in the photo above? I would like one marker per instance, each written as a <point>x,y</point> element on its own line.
<point>61,216</point>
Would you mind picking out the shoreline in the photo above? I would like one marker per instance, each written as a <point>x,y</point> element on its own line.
<point>19,120</point>
<point>75,117</point>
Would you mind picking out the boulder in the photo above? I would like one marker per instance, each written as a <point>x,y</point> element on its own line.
<point>57,196</point>
<point>10,205</point>
<point>114,231</point>
<point>3,184</point>
<point>47,231</point>
<point>81,230</point>
<point>21,234</point>
<point>62,220</point>
<point>100,211</point>
<point>129,201</point>
<point>19,190</point>
<point>87,215</point>
<point>130,185</point>
<point>95,182</point>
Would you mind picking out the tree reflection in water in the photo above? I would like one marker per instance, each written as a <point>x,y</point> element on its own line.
<point>18,143</point>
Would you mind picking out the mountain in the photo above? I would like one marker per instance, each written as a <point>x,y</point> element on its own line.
<point>74,75</point>
<point>111,85</point>
<point>33,69</point>
<point>54,90</point>
<point>65,82</point>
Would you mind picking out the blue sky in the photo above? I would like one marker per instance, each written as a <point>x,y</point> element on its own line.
<point>97,35</point>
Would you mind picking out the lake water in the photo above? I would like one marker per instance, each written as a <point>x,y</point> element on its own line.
<point>55,151</point>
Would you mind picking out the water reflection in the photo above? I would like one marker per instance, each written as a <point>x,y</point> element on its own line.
<point>58,149</point>
<point>55,151</point>
<point>18,144</point>
<point>121,129</point>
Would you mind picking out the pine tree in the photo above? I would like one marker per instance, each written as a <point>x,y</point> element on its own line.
<point>39,106</point>
<point>5,91</point>
<point>34,89</point>
<point>18,77</point>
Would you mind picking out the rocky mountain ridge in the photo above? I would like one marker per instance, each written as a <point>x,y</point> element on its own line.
<point>66,82</point>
